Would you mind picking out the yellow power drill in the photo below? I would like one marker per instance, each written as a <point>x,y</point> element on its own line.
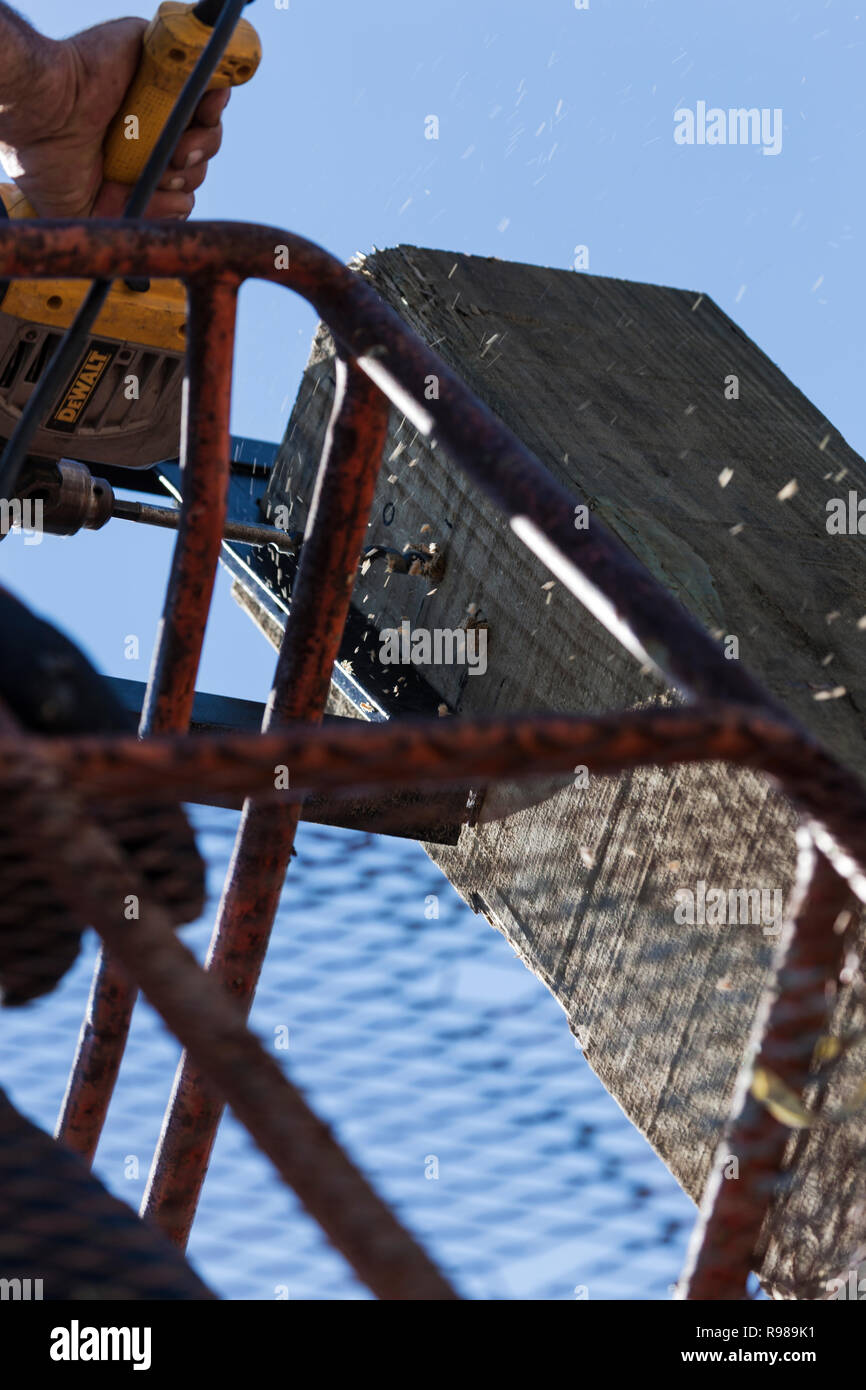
<point>139,336</point>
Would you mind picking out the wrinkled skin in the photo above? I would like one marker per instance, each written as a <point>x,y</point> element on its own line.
<point>51,139</point>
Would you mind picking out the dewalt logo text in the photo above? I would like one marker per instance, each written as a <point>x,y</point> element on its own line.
<point>81,388</point>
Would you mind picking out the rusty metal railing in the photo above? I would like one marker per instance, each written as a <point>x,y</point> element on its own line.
<point>729,717</point>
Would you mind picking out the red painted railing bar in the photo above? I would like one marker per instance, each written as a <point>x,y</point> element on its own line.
<point>620,592</point>
<point>320,600</point>
<point>444,751</point>
<point>791,1018</point>
<point>205,456</point>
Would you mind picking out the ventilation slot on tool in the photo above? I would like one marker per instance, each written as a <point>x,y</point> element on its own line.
<point>49,343</point>
<point>14,364</point>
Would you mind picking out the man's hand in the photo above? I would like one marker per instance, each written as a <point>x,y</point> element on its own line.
<point>57,100</point>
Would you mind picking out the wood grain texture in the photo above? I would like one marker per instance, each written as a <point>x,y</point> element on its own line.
<point>619,388</point>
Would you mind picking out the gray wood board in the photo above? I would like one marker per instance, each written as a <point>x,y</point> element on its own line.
<point>619,388</point>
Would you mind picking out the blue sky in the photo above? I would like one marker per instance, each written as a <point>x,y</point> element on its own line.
<point>555,130</point>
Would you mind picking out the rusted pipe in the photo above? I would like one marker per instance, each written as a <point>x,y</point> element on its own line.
<point>205,455</point>
<point>335,533</point>
<point>448,751</point>
<point>643,616</point>
<point>792,1015</point>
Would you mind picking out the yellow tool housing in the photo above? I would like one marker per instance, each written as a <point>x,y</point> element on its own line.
<point>134,326</point>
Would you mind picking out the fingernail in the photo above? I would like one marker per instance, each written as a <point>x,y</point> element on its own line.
<point>174,184</point>
<point>194,157</point>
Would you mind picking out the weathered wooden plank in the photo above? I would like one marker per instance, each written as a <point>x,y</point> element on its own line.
<point>620,389</point>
